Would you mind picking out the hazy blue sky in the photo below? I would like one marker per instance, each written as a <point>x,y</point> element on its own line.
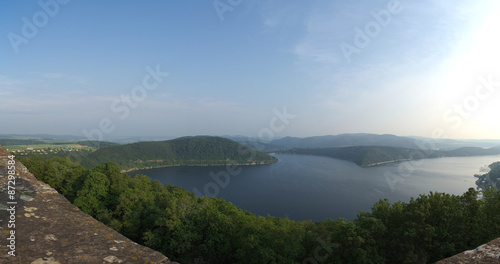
<point>401,67</point>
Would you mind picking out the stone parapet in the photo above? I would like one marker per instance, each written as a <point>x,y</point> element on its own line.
<point>46,228</point>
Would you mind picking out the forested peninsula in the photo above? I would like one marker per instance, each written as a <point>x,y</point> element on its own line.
<point>185,151</point>
<point>367,156</point>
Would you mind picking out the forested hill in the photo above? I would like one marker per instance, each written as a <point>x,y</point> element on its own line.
<point>366,156</point>
<point>201,150</point>
<point>363,156</point>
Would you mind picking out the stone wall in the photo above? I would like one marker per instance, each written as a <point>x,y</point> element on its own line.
<point>38,225</point>
<point>484,254</point>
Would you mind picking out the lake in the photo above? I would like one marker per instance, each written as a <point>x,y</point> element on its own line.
<point>317,188</point>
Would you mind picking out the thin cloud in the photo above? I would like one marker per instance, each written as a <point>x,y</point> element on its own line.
<point>52,75</point>
<point>62,76</point>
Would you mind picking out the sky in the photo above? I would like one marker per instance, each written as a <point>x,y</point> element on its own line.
<point>274,68</point>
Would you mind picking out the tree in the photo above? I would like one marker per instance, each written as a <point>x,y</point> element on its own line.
<point>92,197</point>
<point>492,210</point>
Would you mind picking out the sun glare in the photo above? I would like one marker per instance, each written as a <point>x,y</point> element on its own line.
<point>471,74</point>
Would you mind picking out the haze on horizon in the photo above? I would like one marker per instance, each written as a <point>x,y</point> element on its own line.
<point>170,69</point>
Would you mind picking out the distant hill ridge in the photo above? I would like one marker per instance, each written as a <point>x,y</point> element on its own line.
<point>194,151</point>
<point>344,140</point>
<point>364,139</point>
<point>366,156</point>
<point>363,156</point>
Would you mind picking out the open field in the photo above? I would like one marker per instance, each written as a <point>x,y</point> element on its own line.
<point>34,144</point>
<point>48,146</point>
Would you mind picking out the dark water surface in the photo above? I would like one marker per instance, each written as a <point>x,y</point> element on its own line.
<point>312,187</point>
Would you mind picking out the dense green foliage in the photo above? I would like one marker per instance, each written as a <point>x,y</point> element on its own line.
<point>490,179</point>
<point>201,150</point>
<point>494,173</point>
<point>365,156</point>
<point>202,230</point>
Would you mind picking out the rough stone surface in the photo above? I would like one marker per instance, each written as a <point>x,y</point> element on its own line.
<point>49,229</point>
<point>484,254</point>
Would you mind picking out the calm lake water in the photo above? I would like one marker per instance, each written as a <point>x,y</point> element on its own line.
<point>317,188</point>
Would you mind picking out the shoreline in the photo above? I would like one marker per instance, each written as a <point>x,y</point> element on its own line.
<point>199,165</point>
<point>391,161</point>
<point>384,162</point>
